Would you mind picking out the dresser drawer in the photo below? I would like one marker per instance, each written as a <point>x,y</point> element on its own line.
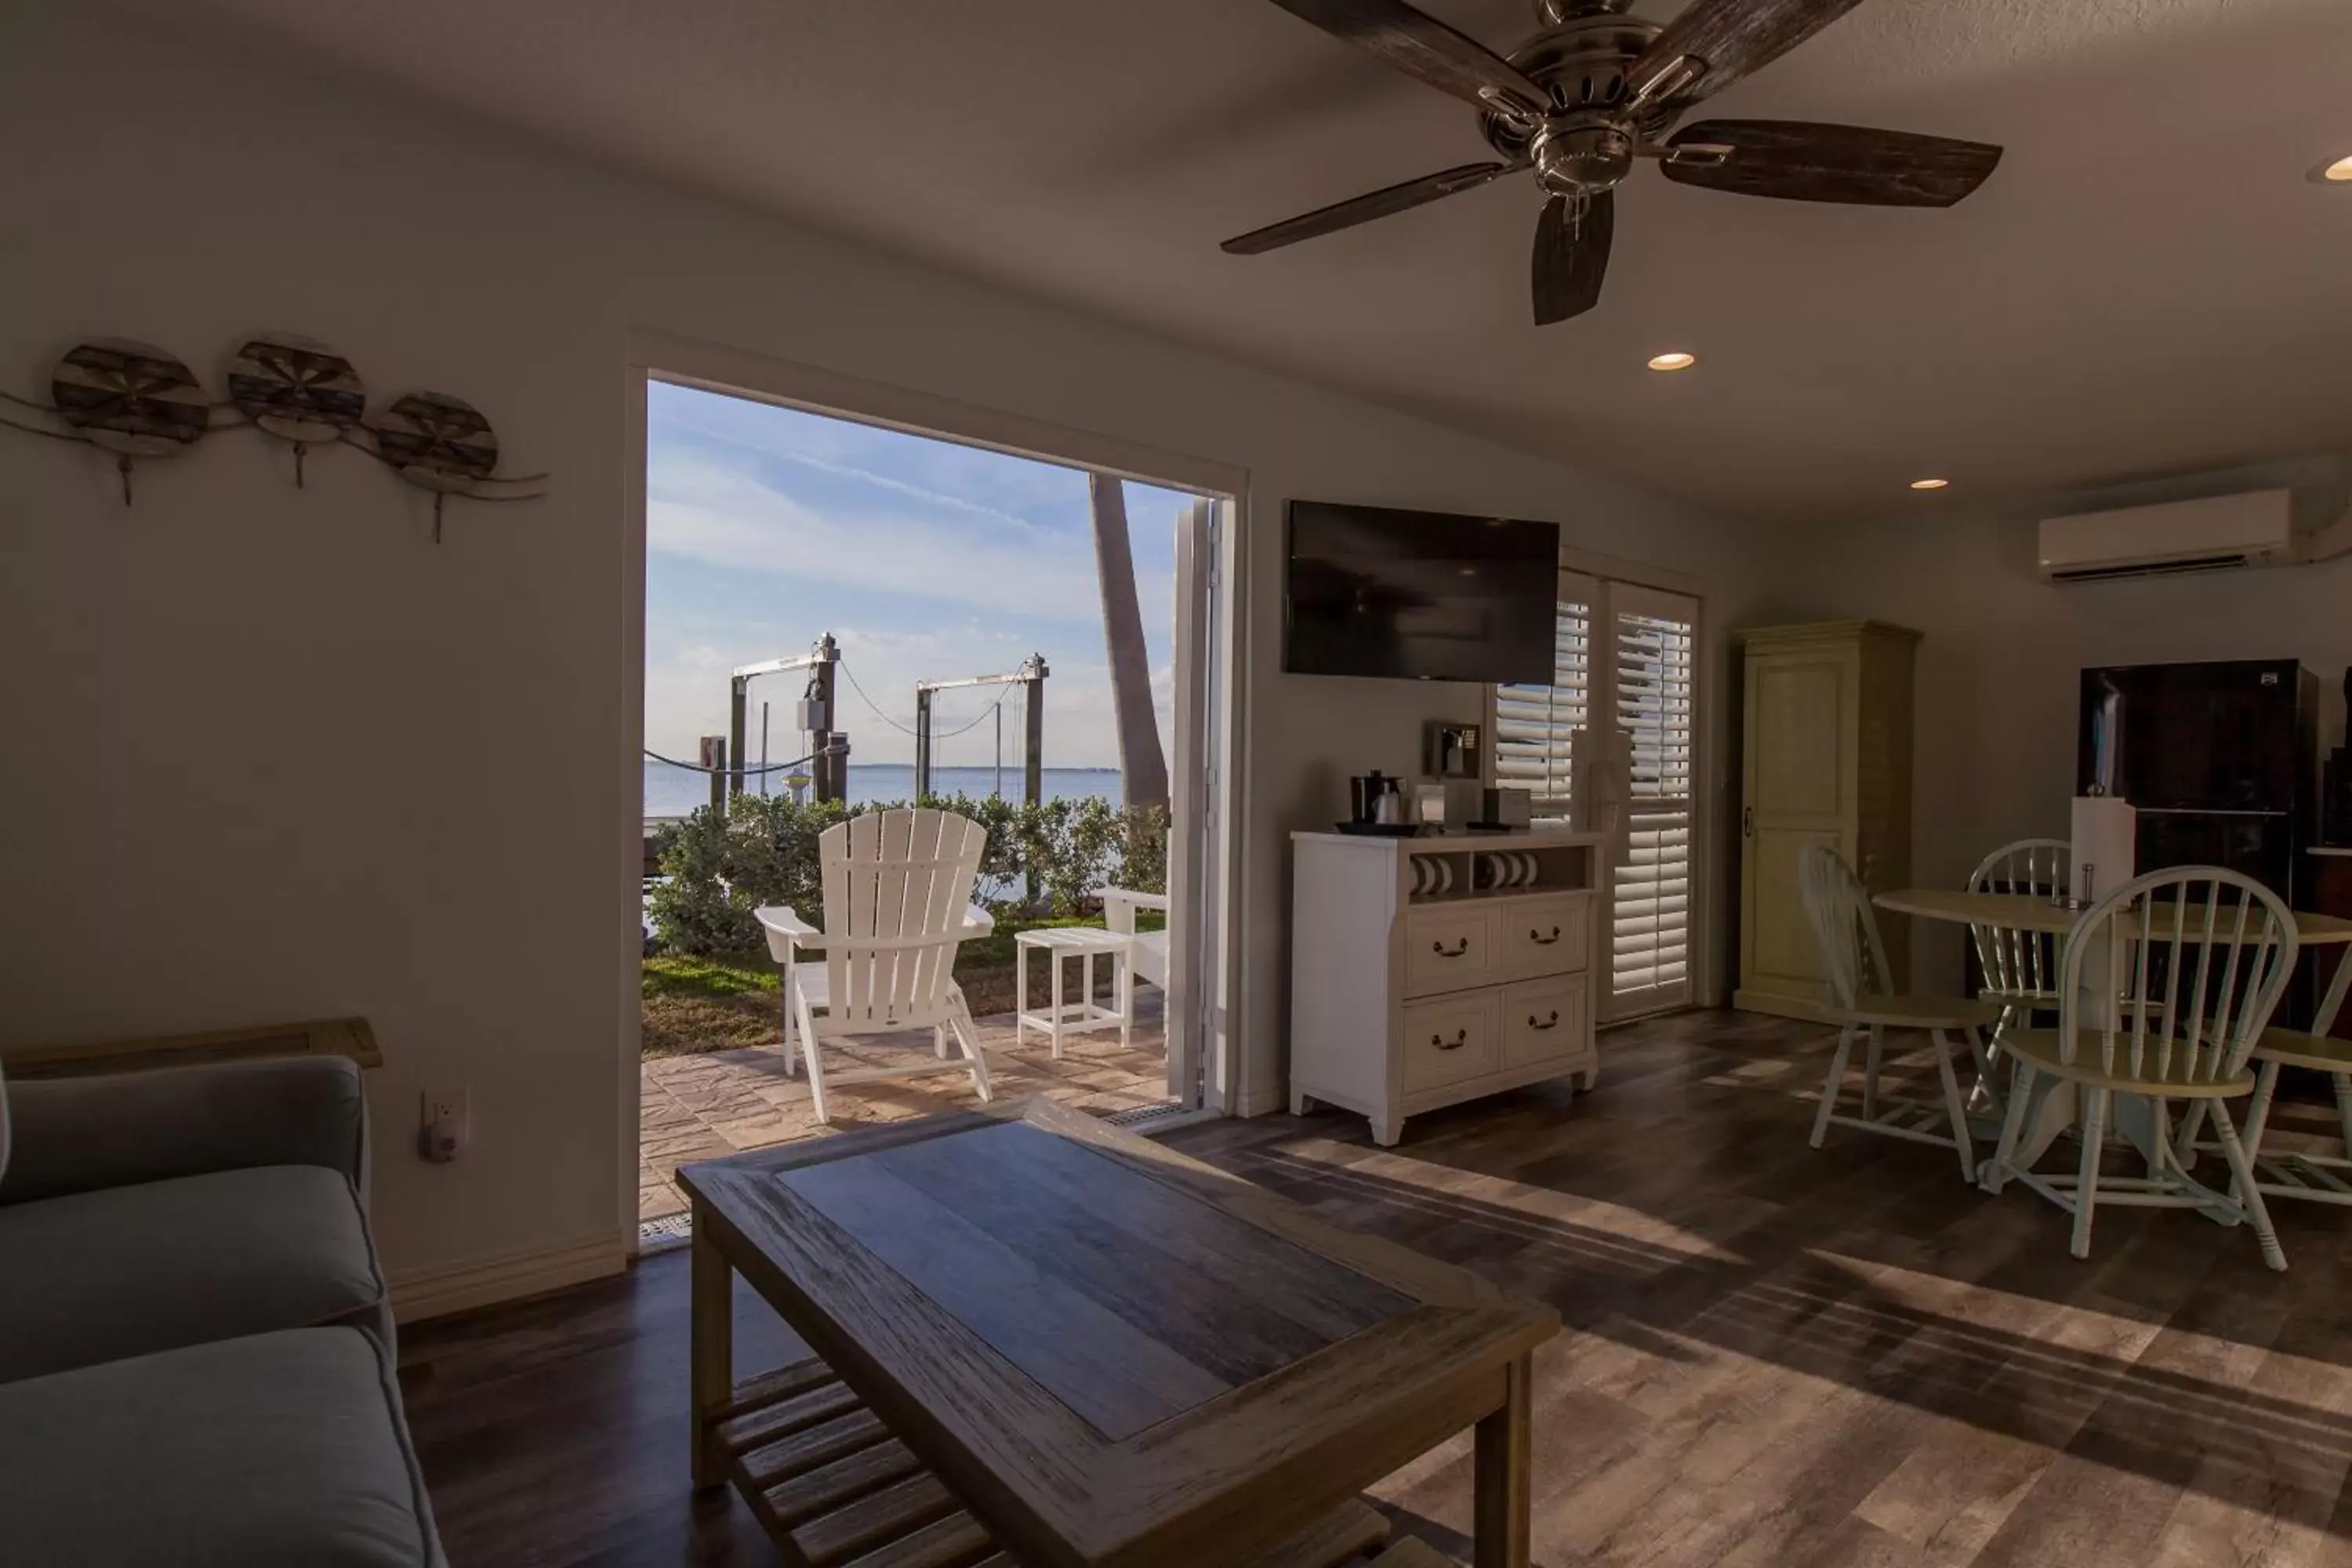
<point>1448,1040</point>
<point>1544,1020</point>
<point>1546,936</point>
<point>1447,949</point>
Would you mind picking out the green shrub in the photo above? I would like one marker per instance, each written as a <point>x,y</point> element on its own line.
<point>716,869</point>
<point>770,854</point>
<point>692,911</point>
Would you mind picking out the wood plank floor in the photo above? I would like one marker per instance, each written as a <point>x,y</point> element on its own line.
<point>1773,1355</point>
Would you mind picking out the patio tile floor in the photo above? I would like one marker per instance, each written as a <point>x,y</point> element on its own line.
<point>715,1103</point>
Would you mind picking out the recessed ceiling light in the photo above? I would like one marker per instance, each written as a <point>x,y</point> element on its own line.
<point>2338,173</point>
<point>1674,360</point>
<point>1929,484</point>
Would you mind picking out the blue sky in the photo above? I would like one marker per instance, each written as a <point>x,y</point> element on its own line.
<point>929,561</point>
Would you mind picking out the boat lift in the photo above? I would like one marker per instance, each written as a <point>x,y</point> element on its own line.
<point>828,747</point>
<point>1031,678</point>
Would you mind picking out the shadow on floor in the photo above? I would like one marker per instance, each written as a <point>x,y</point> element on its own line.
<point>1679,1214</point>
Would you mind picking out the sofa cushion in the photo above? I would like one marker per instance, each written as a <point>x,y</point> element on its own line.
<point>123,1271</point>
<point>282,1450</point>
<point>79,1134</point>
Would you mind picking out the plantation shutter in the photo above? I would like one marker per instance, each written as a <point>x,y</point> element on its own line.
<point>1653,650</point>
<point>1536,725</point>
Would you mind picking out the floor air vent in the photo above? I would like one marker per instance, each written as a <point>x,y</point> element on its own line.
<point>661,1235</point>
<point>1143,1116</point>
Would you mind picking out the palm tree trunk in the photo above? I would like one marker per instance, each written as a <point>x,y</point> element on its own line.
<point>1142,765</point>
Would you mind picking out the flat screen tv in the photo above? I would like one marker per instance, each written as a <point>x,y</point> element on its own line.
<point>1421,595</point>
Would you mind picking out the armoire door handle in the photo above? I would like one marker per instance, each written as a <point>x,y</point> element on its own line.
<point>1747,821</point>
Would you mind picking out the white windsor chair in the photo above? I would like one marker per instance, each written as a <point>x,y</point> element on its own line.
<point>1861,1000</point>
<point>2165,987</point>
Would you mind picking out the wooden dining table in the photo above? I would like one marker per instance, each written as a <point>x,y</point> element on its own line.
<point>2053,1108</point>
<point>1112,1354</point>
<point>2036,912</point>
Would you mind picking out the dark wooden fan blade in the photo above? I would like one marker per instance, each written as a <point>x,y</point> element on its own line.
<point>1799,161</point>
<point>1723,40</point>
<point>1422,46</point>
<point>1364,208</point>
<point>1572,256</point>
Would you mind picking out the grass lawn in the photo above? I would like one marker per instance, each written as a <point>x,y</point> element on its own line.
<point>717,1004</point>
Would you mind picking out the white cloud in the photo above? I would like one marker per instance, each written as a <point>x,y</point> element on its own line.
<point>709,510</point>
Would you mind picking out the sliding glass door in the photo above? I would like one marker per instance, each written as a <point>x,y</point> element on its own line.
<point>1610,744</point>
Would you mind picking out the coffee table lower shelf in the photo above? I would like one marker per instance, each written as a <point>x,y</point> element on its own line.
<point>835,1490</point>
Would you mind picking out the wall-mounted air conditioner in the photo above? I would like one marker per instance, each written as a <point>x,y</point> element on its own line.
<point>2218,533</point>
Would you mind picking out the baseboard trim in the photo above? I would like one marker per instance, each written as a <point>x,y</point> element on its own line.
<point>442,1289</point>
<point>1257,1099</point>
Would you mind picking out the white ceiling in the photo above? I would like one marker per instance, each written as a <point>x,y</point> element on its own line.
<point>2149,282</point>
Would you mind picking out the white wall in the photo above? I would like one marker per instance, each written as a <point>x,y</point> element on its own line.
<point>275,753</point>
<point>1997,665</point>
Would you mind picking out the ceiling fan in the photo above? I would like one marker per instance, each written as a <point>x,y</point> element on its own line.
<point>1593,90</point>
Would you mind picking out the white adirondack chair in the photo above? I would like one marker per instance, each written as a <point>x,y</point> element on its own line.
<point>1148,954</point>
<point>898,902</point>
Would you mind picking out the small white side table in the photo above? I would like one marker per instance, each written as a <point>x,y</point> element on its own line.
<point>1084,944</point>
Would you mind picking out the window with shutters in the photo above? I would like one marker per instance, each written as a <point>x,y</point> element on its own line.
<point>1536,726</point>
<point>1656,638</point>
<point>1610,745</point>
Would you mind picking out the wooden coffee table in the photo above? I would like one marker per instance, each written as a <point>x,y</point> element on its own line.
<point>1112,1354</point>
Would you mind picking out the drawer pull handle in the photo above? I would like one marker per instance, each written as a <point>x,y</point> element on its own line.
<point>1542,940</point>
<point>1439,948</point>
<point>1460,1038</point>
<point>1550,1023</point>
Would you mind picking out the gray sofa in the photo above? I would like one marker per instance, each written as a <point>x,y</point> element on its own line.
<point>195,1343</point>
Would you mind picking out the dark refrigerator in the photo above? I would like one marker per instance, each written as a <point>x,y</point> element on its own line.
<point>2220,760</point>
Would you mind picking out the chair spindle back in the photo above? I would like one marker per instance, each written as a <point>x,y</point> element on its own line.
<point>2194,959</point>
<point>2021,963</point>
<point>1845,927</point>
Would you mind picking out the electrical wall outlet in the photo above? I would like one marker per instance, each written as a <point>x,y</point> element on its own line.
<point>447,1128</point>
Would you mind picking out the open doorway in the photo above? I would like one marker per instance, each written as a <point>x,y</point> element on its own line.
<point>844,615</point>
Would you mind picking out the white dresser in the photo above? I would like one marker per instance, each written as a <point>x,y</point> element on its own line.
<point>1402,1001</point>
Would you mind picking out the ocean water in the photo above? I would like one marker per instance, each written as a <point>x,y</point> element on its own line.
<point>674,791</point>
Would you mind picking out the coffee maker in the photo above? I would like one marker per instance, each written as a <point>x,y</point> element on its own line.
<point>1375,800</point>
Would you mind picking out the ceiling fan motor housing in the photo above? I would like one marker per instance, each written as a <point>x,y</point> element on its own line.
<point>1584,145</point>
<point>1552,13</point>
<point>1581,156</point>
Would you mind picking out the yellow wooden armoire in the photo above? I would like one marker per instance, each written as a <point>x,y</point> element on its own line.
<point>1826,758</point>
